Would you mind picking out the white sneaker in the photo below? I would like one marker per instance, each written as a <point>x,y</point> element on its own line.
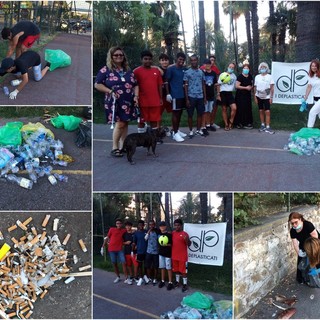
<point>146,279</point>
<point>182,134</point>
<point>126,281</point>
<point>177,137</point>
<point>154,282</point>
<point>216,126</point>
<point>191,134</point>
<point>117,279</point>
<point>129,281</point>
<point>140,282</point>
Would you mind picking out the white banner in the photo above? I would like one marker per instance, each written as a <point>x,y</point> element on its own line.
<point>290,82</point>
<point>207,243</point>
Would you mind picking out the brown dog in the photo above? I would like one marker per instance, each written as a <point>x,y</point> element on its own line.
<point>147,140</point>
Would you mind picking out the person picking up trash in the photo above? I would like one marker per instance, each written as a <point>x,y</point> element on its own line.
<point>20,67</point>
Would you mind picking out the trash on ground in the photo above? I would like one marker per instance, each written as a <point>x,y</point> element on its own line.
<point>286,313</point>
<point>200,306</point>
<point>57,58</point>
<point>69,123</point>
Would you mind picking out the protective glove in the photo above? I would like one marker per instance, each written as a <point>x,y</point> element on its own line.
<point>313,272</point>
<point>169,98</point>
<point>302,254</point>
<point>101,251</point>
<point>13,94</point>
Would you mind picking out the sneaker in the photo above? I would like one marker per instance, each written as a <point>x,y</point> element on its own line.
<point>146,279</point>
<point>191,134</point>
<point>170,286</point>
<point>129,281</point>
<point>184,288</point>
<point>269,130</point>
<point>205,132</point>
<point>248,126</point>
<point>211,128</point>
<point>161,284</point>
<point>199,133</point>
<point>126,281</point>
<point>262,128</point>
<point>140,282</point>
<point>177,137</point>
<point>215,126</point>
<point>239,126</point>
<point>176,284</point>
<point>136,280</point>
<point>182,134</point>
<point>116,280</point>
<point>154,282</point>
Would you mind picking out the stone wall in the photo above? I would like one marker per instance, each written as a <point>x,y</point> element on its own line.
<point>263,255</point>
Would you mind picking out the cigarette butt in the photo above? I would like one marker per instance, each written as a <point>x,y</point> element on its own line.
<point>38,252</point>
<point>82,245</point>
<point>27,221</point>
<point>12,314</point>
<point>1,236</point>
<point>4,250</point>
<point>43,235</point>
<point>25,310</point>
<point>46,220</point>
<point>28,314</point>
<point>55,224</point>
<point>22,291</point>
<point>30,304</point>
<point>34,231</point>
<point>14,240</point>
<point>33,241</point>
<point>12,228</point>
<point>23,238</point>
<point>18,281</point>
<point>43,294</point>
<point>13,286</point>
<point>3,293</point>
<point>66,239</point>
<point>21,225</point>
<point>85,267</point>
<point>69,280</point>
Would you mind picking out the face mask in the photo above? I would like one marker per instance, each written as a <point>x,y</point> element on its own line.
<point>230,70</point>
<point>263,70</point>
<point>298,227</point>
<point>245,71</point>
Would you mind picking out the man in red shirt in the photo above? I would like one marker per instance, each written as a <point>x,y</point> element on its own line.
<point>114,240</point>
<point>150,91</point>
<point>180,243</point>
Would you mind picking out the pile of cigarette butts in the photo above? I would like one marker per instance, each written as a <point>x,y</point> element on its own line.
<point>32,266</point>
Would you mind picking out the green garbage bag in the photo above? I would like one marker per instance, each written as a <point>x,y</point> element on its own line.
<point>306,133</point>
<point>57,58</point>
<point>198,300</point>
<point>10,135</point>
<point>14,124</point>
<point>69,123</point>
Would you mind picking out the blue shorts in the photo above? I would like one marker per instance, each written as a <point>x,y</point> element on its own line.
<point>195,103</point>
<point>209,106</point>
<point>117,255</point>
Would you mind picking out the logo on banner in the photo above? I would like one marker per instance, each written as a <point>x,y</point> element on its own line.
<point>288,83</point>
<point>208,239</point>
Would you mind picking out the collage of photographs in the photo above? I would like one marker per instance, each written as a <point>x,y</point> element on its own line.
<point>142,172</point>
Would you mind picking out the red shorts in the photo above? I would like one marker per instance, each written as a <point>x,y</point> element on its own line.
<point>150,113</point>
<point>179,266</point>
<point>131,260</point>
<point>166,106</point>
<point>30,40</point>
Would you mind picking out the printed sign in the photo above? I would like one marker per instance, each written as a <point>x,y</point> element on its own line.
<point>207,243</point>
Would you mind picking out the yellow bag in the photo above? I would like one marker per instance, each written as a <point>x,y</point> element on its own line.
<point>30,128</point>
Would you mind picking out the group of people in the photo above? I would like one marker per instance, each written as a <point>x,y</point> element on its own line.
<point>21,37</point>
<point>306,243</point>
<point>143,252</point>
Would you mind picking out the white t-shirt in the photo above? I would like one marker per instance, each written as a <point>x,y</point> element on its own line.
<point>263,85</point>
<point>315,83</point>
<point>230,86</point>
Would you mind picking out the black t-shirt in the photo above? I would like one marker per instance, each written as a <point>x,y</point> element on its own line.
<point>165,250</point>
<point>304,234</point>
<point>244,82</point>
<point>211,80</point>
<point>28,27</point>
<point>27,60</point>
<point>128,247</point>
<point>164,81</point>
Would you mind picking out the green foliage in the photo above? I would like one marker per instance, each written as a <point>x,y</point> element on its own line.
<point>243,219</point>
<point>305,198</point>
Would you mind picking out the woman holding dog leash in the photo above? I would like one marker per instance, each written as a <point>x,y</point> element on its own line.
<point>118,83</point>
<point>300,231</point>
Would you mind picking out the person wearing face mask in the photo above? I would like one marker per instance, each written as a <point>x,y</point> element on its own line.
<point>226,97</point>
<point>244,85</point>
<point>263,95</point>
<point>300,231</point>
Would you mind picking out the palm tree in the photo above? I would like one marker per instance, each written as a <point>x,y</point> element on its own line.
<point>255,35</point>
<point>204,206</point>
<point>308,40</point>
<point>202,32</point>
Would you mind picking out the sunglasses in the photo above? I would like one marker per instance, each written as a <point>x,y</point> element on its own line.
<point>118,55</point>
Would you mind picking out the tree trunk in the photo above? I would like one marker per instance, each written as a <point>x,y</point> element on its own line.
<point>248,30</point>
<point>204,207</point>
<point>308,36</point>
<point>218,53</point>
<point>273,33</point>
<point>167,210</point>
<point>202,32</point>
<point>137,202</point>
<point>255,36</point>
<point>282,42</point>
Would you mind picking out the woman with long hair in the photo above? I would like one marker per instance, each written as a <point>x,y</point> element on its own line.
<point>312,248</point>
<point>118,83</point>
<point>300,231</point>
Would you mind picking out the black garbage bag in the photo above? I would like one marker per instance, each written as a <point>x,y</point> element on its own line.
<point>84,134</point>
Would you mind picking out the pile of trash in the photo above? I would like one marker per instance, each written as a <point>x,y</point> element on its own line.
<point>32,264</point>
<point>200,306</point>
<point>31,147</point>
<point>306,141</point>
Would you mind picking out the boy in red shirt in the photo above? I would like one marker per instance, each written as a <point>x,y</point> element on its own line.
<point>180,243</point>
<point>150,91</point>
<point>114,240</point>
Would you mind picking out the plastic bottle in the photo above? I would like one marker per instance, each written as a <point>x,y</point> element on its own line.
<point>61,177</point>
<point>61,163</point>
<point>32,174</point>
<point>51,177</point>
<point>16,82</point>
<point>6,91</point>
<point>5,157</point>
<point>22,182</point>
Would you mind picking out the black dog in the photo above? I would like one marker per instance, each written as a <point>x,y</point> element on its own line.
<point>147,140</point>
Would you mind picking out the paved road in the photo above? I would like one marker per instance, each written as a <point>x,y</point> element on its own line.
<point>121,301</point>
<point>63,301</point>
<point>73,195</point>
<point>238,160</point>
<point>307,305</point>
<point>64,86</point>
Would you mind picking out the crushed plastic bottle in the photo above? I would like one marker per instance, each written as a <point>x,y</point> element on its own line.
<point>61,177</point>
<point>5,157</point>
<point>6,91</point>
<point>32,175</point>
<point>60,163</point>
<point>22,182</point>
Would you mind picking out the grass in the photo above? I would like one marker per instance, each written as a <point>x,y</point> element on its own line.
<point>207,278</point>
<point>283,117</point>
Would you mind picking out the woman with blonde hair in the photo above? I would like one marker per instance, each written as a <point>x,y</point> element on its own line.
<point>118,83</point>
<point>312,248</point>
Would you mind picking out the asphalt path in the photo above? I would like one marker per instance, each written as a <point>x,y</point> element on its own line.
<point>123,301</point>
<point>72,195</point>
<point>237,160</point>
<point>67,86</point>
<point>63,301</point>
<point>307,305</point>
